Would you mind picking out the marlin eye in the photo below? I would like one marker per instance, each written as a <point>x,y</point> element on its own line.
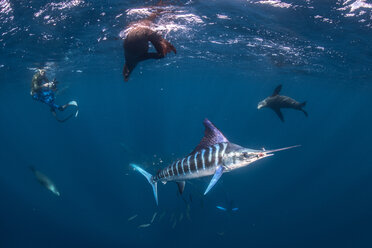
<point>245,154</point>
<point>259,155</point>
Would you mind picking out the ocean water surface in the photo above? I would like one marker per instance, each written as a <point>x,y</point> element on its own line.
<point>230,55</point>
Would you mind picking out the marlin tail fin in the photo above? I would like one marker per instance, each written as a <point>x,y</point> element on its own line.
<point>149,179</point>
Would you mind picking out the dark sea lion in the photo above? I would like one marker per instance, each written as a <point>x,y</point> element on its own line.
<point>136,44</point>
<point>45,181</point>
<point>276,102</point>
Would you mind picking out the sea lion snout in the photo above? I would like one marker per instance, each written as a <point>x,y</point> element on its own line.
<point>261,104</point>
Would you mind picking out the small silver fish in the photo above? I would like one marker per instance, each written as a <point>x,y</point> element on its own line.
<point>188,212</point>
<point>133,217</point>
<point>188,216</point>
<point>162,216</point>
<point>144,225</point>
<point>153,217</point>
<point>174,224</point>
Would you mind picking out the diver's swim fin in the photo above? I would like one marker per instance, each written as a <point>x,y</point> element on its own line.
<point>71,103</point>
<point>61,120</point>
<point>74,103</point>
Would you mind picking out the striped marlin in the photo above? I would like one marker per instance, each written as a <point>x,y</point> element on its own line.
<point>213,156</point>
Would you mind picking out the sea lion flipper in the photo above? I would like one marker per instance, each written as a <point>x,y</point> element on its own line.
<point>127,70</point>
<point>303,105</point>
<point>277,90</point>
<point>169,47</point>
<point>279,113</point>
<point>161,45</point>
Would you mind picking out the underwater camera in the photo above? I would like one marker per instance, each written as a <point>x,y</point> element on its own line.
<point>54,84</point>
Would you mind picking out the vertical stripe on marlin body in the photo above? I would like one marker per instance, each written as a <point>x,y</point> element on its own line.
<point>214,155</point>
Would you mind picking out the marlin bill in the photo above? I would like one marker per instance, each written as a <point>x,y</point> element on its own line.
<point>213,156</point>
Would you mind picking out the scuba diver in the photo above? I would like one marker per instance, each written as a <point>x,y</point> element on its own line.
<point>43,90</point>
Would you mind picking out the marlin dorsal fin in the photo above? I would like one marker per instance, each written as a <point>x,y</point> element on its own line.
<point>277,90</point>
<point>211,137</point>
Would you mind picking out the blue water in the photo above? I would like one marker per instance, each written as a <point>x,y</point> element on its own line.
<point>231,55</point>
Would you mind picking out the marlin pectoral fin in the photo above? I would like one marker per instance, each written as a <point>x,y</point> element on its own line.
<point>211,137</point>
<point>277,90</point>
<point>181,186</point>
<point>215,178</point>
<point>279,113</point>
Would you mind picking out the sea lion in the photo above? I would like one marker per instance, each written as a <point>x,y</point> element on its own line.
<point>136,44</point>
<point>276,102</point>
<point>45,181</point>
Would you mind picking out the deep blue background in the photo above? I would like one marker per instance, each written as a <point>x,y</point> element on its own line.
<point>316,195</point>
